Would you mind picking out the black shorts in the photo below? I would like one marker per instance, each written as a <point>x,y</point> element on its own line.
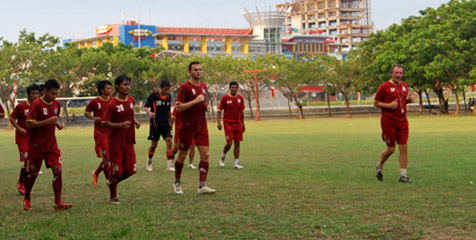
<point>156,132</point>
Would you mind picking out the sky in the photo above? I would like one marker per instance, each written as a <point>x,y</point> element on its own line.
<point>79,19</point>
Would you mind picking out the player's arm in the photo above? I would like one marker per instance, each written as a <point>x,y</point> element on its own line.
<point>92,117</point>
<point>36,124</point>
<point>391,105</point>
<point>219,119</point>
<point>136,123</point>
<point>147,110</point>
<point>243,120</point>
<point>15,124</point>
<point>124,125</point>
<point>184,106</point>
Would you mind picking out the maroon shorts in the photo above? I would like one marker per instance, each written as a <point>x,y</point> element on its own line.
<point>177,139</point>
<point>122,159</point>
<point>233,131</point>
<point>101,146</point>
<point>36,155</point>
<point>394,130</point>
<point>188,138</point>
<point>23,149</point>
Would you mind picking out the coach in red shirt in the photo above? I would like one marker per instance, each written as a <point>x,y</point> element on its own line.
<point>233,105</point>
<point>392,97</point>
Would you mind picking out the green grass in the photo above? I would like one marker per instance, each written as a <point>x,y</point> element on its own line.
<point>306,179</point>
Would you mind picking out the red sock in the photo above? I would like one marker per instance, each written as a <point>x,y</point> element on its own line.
<point>178,169</point>
<point>170,155</point>
<point>113,187</point>
<point>203,170</point>
<point>99,169</point>
<point>29,182</point>
<point>23,174</point>
<point>57,186</point>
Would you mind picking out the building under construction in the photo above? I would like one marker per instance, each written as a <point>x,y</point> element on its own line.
<point>348,21</point>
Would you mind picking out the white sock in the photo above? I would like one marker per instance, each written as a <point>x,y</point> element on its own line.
<point>223,156</point>
<point>236,161</point>
<point>169,163</point>
<point>403,172</point>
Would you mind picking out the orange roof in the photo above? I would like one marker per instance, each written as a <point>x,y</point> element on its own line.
<point>206,31</point>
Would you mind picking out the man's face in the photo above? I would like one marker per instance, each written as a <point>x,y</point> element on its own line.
<point>196,72</point>
<point>107,90</point>
<point>50,95</point>
<point>397,74</point>
<point>124,87</point>
<point>34,94</point>
<point>233,90</point>
<point>164,90</point>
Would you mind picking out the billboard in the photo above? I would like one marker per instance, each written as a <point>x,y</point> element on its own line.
<point>135,35</point>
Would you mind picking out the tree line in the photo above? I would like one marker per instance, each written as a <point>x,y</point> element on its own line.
<point>436,48</point>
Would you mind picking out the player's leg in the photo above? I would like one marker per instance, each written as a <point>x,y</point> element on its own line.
<point>33,166</point>
<point>167,136</point>
<point>97,148</point>
<point>22,148</point>
<point>185,140</point>
<point>203,167</point>
<point>229,142</point>
<point>191,156</point>
<point>237,138</point>
<point>153,146</point>
<point>115,164</point>
<point>389,137</point>
<point>53,160</point>
<point>402,138</point>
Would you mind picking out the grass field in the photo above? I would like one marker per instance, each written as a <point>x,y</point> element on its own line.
<point>306,179</point>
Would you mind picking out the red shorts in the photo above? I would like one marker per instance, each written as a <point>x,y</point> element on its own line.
<point>394,130</point>
<point>177,139</point>
<point>36,156</point>
<point>101,147</point>
<point>23,149</point>
<point>233,131</point>
<point>188,138</point>
<point>122,159</point>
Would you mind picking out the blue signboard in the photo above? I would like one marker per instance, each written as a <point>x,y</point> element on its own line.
<point>131,34</point>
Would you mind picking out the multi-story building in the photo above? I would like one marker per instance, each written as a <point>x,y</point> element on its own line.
<point>347,21</point>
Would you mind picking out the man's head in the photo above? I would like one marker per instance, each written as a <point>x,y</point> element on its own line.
<point>51,90</point>
<point>397,72</point>
<point>195,70</point>
<point>164,87</point>
<point>123,84</point>
<point>233,87</point>
<point>104,88</point>
<point>33,92</point>
<point>42,86</point>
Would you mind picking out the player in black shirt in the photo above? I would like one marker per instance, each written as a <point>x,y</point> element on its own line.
<point>158,108</point>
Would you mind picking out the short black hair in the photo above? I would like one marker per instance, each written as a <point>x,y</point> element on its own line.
<point>102,84</point>
<point>121,79</point>
<point>233,83</point>
<point>397,66</point>
<point>191,64</point>
<point>42,86</point>
<point>51,84</point>
<point>32,87</point>
<point>165,83</point>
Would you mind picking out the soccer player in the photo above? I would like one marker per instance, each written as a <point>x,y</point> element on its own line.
<point>18,120</point>
<point>2,112</point>
<point>158,108</point>
<point>41,121</point>
<point>233,120</point>
<point>191,155</point>
<point>119,116</point>
<point>191,105</point>
<point>392,97</point>
<point>97,107</point>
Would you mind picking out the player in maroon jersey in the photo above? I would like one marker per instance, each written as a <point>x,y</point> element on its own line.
<point>41,121</point>
<point>2,112</point>
<point>191,105</point>
<point>392,97</point>
<point>175,119</point>
<point>18,120</point>
<point>97,107</point>
<point>119,117</point>
<point>233,121</point>
<point>158,109</point>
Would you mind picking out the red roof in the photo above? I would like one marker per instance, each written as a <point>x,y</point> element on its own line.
<point>313,89</point>
<point>206,31</point>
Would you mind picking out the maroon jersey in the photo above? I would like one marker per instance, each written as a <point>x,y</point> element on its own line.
<point>98,106</point>
<point>389,92</point>
<point>194,117</point>
<point>118,111</point>
<point>1,109</point>
<point>19,114</point>
<point>233,107</point>
<point>177,116</point>
<point>43,136</point>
